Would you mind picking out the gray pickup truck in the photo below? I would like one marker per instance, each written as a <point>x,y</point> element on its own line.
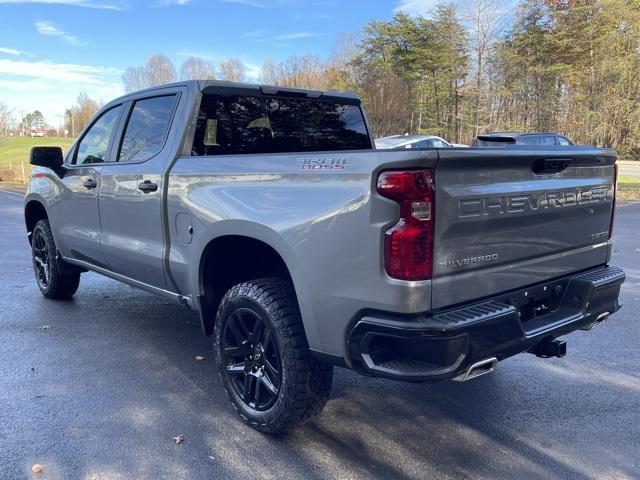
<point>269,212</point>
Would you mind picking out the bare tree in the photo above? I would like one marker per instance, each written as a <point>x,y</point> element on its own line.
<point>344,50</point>
<point>307,71</point>
<point>485,21</point>
<point>79,115</point>
<point>269,73</point>
<point>386,97</point>
<point>157,71</point>
<point>160,70</point>
<point>6,118</point>
<point>340,70</point>
<point>134,78</point>
<point>300,72</point>
<point>194,68</point>
<point>232,70</point>
<point>86,108</point>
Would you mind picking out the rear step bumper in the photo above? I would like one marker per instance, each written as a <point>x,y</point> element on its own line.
<point>454,343</point>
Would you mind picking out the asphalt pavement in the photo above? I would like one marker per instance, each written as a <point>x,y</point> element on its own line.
<point>97,387</point>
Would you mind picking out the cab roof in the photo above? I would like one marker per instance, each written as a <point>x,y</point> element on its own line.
<point>213,86</point>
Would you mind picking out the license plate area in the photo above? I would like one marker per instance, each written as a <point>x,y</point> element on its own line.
<point>535,302</point>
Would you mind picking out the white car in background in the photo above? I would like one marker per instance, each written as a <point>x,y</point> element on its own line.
<point>414,141</point>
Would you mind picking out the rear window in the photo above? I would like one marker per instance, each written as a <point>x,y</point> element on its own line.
<point>234,124</point>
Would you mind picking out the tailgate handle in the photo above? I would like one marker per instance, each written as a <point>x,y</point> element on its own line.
<point>550,165</point>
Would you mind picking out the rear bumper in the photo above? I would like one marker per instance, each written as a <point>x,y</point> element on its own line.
<point>444,345</point>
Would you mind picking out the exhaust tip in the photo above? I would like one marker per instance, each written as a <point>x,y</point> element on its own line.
<point>478,369</point>
<point>600,319</point>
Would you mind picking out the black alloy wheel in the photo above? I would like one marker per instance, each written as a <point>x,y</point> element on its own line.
<point>263,358</point>
<point>41,259</point>
<point>252,359</point>
<point>56,279</point>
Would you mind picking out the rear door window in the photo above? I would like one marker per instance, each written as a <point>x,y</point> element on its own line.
<point>147,128</point>
<point>237,124</point>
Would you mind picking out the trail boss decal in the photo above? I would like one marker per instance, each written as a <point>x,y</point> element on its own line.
<point>324,163</point>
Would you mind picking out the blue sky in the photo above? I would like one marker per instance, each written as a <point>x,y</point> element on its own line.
<point>50,50</point>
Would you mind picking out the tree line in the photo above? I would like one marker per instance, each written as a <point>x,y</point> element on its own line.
<point>159,69</point>
<point>571,66</point>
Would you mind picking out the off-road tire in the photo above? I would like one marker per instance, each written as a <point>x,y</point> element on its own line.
<point>305,382</point>
<point>59,284</point>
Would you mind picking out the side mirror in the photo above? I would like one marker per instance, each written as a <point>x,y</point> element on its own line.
<point>50,157</point>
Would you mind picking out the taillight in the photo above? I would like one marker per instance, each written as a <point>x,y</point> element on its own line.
<point>408,246</point>
<point>613,207</point>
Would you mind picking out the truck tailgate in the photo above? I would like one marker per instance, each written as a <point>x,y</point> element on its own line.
<point>508,218</point>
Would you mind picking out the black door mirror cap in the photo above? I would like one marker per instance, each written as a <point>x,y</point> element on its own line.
<point>50,157</point>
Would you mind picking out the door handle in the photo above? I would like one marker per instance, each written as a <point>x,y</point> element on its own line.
<point>89,184</point>
<point>147,186</point>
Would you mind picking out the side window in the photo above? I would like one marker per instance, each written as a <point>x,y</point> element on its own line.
<point>94,145</point>
<point>146,128</point>
<point>563,141</point>
<point>420,144</point>
<point>529,140</point>
<point>549,140</point>
<point>438,143</point>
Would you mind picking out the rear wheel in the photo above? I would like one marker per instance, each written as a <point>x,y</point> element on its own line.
<point>52,281</point>
<point>263,357</point>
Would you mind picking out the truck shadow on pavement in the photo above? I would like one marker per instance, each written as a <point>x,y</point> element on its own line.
<point>116,379</point>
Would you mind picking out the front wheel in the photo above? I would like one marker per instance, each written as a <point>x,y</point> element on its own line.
<point>52,281</point>
<point>263,358</point>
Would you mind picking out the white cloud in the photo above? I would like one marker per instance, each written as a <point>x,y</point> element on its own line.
<point>67,72</point>
<point>48,28</point>
<point>252,71</point>
<point>13,51</point>
<point>312,16</point>
<point>256,33</point>
<point>416,7</point>
<point>202,55</point>
<point>76,3</point>
<point>295,36</point>
<point>250,3</point>
<point>53,87</point>
<point>169,3</point>
<point>264,36</point>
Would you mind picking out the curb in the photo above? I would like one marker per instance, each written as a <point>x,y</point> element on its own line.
<point>13,192</point>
